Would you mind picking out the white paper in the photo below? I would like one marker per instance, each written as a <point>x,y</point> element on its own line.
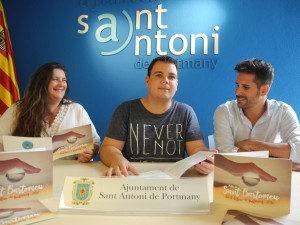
<point>12,143</point>
<point>259,154</point>
<point>177,169</point>
<point>153,174</point>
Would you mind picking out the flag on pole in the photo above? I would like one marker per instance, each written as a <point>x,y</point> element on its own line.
<point>9,89</point>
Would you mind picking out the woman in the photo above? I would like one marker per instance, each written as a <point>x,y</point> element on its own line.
<point>45,109</point>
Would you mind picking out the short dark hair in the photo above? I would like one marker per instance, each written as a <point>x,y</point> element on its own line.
<point>264,72</point>
<point>164,58</point>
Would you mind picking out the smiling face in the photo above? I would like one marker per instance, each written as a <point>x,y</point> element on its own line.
<point>248,94</point>
<point>162,82</point>
<point>57,86</point>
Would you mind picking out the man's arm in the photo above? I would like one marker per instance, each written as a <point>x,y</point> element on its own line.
<point>111,155</point>
<point>289,133</point>
<point>238,169</point>
<point>278,150</point>
<point>193,147</point>
<point>223,135</point>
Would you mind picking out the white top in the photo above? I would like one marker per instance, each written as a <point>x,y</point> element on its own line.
<point>69,116</point>
<point>279,124</point>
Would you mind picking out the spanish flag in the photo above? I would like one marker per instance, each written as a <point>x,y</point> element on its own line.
<point>9,89</point>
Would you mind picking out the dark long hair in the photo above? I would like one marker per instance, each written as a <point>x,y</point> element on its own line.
<point>32,108</point>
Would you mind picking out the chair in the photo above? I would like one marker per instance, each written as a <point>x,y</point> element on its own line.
<point>211,142</point>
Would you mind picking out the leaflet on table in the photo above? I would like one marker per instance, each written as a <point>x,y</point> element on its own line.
<point>68,142</point>
<point>152,174</point>
<point>25,175</point>
<point>139,196</point>
<point>24,213</point>
<point>176,170</point>
<point>13,143</point>
<point>253,184</point>
<point>234,217</point>
<point>72,141</point>
<point>259,154</point>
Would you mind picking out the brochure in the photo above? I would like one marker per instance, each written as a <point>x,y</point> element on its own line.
<point>72,141</point>
<point>261,185</point>
<point>24,213</point>
<point>176,170</point>
<point>68,142</point>
<point>236,217</point>
<point>25,175</point>
<point>13,143</point>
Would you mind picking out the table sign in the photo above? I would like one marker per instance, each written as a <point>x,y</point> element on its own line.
<point>25,175</point>
<point>123,195</point>
<point>24,213</point>
<point>261,185</point>
<point>68,142</point>
<point>151,192</point>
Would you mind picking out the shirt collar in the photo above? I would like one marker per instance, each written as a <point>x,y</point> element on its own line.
<point>264,116</point>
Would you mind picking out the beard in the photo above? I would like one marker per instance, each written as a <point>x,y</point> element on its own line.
<point>244,102</point>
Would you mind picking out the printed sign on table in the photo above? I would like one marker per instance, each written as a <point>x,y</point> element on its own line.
<point>158,192</point>
<point>253,184</point>
<point>121,195</point>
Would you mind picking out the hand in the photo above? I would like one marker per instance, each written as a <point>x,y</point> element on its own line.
<point>238,169</point>
<point>205,167</point>
<point>245,218</point>
<point>17,163</point>
<point>252,167</point>
<point>63,137</point>
<point>247,145</point>
<point>296,167</point>
<point>85,156</point>
<point>120,167</point>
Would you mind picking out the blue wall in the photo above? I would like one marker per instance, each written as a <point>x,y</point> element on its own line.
<point>43,31</point>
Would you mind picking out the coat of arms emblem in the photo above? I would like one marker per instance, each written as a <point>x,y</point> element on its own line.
<point>82,191</point>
